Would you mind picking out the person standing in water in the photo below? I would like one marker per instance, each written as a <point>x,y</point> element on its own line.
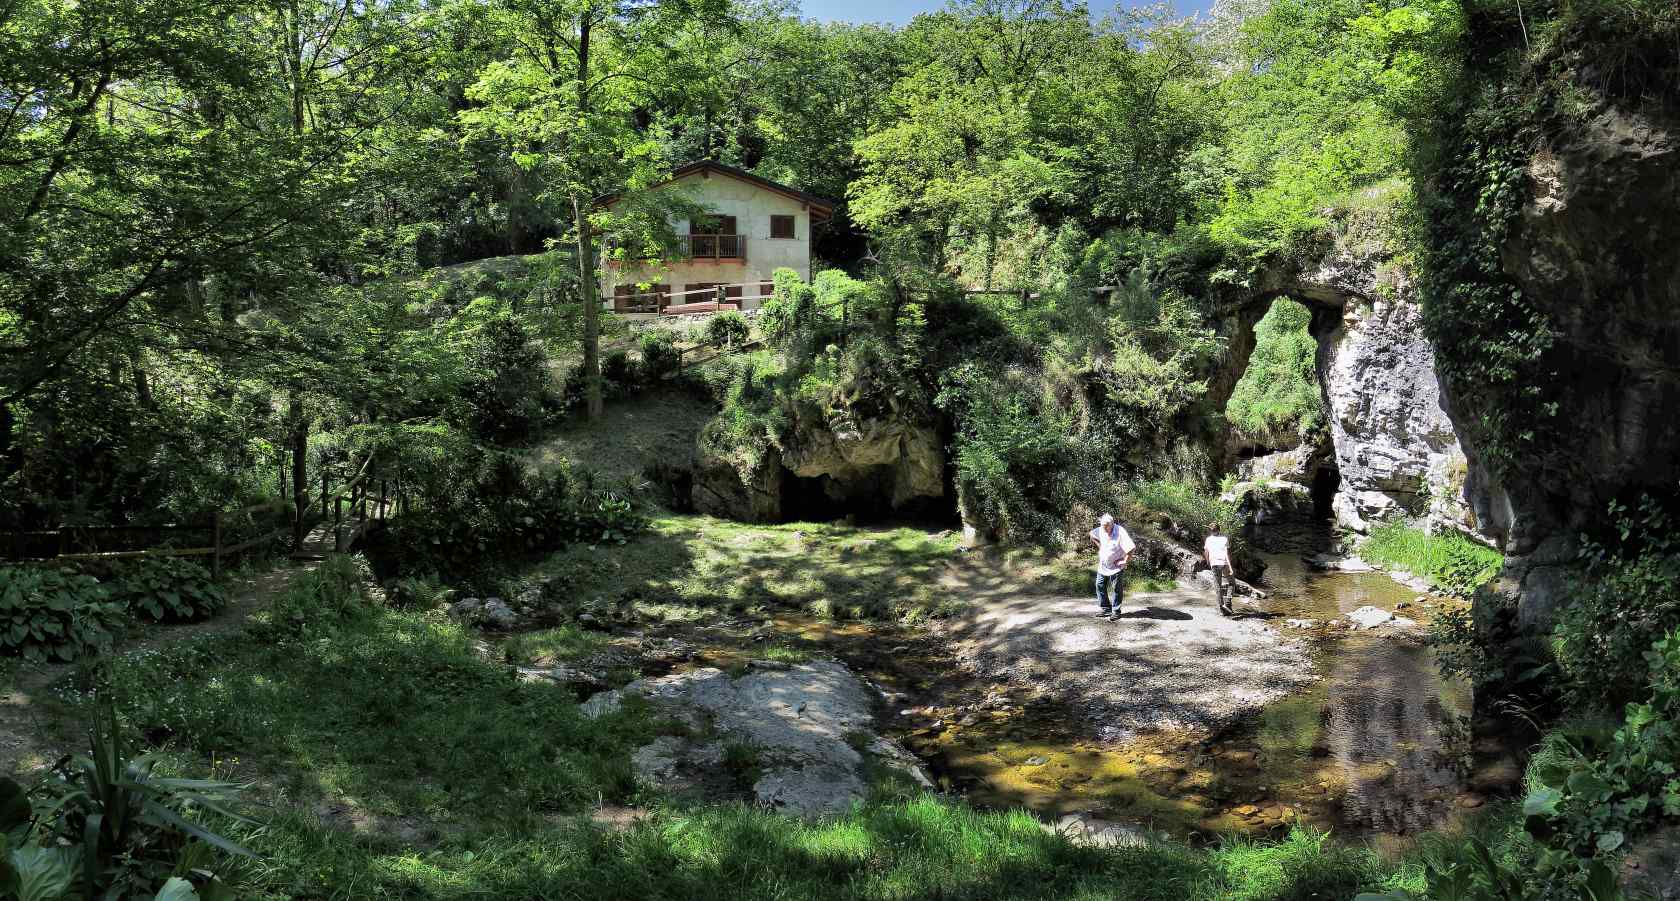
<point>1114,549</point>
<point>1217,550</point>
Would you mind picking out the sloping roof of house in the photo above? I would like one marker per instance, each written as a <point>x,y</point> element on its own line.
<point>821,209</point>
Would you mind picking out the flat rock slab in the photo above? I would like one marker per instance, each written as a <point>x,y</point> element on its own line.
<point>1170,662</point>
<point>806,724</point>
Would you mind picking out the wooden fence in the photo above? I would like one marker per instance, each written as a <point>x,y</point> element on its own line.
<point>91,543</point>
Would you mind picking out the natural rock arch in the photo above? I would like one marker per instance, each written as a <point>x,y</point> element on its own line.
<point>1395,446</point>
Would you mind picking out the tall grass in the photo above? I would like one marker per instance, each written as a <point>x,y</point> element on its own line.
<point>1450,561</point>
<point>910,848</point>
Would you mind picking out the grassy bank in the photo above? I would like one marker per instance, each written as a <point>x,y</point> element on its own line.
<point>890,849</point>
<point>398,756</point>
<point>1451,562</point>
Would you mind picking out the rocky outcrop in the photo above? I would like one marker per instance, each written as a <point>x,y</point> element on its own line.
<point>807,729</point>
<point>855,456</point>
<point>1394,445</point>
<point>898,456</point>
<point>721,488</point>
<point>1396,449</point>
<point>1593,254</point>
<point>1297,466</point>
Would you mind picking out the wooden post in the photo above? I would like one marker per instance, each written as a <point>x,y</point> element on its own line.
<point>338,525</point>
<point>717,298</point>
<point>216,542</point>
<point>382,514</point>
<point>323,490</point>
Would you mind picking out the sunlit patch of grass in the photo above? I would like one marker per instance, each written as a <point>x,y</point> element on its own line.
<point>785,654</point>
<point>715,565</point>
<point>1450,561</point>
<point>549,646</point>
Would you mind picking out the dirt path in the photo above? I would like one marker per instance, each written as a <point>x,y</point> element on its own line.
<point>26,741</point>
<point>1171,662</point>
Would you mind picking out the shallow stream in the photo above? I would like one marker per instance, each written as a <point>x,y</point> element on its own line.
<point>1380,747</point>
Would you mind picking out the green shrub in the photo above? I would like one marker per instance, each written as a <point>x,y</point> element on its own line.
<point>1451,562</point>
<point>1594,792</point>
<point>483,507</point>
<point>421,592</point>
<point>660,357</point>
<point>1628,597</point>
<point>57,615</point>
<point>1189,508</point>
<point>726,331</point>
<point>511,394</point>
<point>619,372</point>
<point>169,589</point>
<point>335,590</point>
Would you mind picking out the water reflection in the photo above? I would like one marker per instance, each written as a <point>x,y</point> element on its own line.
<point>1383,726</point>
<point>1387,710</point>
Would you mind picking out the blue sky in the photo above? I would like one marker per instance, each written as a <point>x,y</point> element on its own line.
<point>901,11</point>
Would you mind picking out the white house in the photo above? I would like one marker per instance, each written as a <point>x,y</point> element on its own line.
<point>757,226</point>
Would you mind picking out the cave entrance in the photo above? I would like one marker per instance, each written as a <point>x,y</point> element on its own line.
<point>864,499</point>
<point>1326,482</point>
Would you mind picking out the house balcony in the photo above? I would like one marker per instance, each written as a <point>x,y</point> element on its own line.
<point>715,248</point>
<point>701,249</point>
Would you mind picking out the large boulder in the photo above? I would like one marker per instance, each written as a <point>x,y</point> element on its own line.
<point>810,727</point>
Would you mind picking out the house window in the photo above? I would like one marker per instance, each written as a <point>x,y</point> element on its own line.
<point>781,226</point>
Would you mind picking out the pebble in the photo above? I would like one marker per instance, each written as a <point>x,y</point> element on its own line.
<point>1035,760</point>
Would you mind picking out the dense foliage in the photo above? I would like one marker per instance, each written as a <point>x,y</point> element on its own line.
<point>169,589</point>
<point>248,250</point>
<point>55,614</point>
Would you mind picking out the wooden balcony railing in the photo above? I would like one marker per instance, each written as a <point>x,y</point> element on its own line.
<point>716,247</point>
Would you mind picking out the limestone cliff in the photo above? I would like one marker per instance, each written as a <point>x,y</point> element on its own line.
<point>1594,256</point>
<point>1393,444</point>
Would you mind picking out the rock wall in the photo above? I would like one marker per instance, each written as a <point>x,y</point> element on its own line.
<point>1396,448</point>
<point>1594,255</point>
<point>1394,442</point>
<point>889,460</point>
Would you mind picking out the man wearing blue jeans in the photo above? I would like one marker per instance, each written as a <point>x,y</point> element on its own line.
<point>1114,549</point>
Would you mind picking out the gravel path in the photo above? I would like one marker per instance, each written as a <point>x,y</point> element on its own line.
<point>1171,662</point>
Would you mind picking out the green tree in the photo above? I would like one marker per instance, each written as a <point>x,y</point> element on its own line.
<point>567,98</point>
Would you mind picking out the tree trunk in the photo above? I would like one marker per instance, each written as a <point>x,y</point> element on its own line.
<point>300,460</point>
<point>591,311</point>
<point>142,381</point>
<point>586,250</point>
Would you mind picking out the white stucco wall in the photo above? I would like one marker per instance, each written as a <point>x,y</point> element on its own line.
<point>752,206</point>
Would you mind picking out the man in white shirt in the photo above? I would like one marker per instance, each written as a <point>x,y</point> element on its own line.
<point>1217,551</point>
<point>1114,549</point>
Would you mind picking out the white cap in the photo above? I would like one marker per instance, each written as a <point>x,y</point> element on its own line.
<point>1105,519</point>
